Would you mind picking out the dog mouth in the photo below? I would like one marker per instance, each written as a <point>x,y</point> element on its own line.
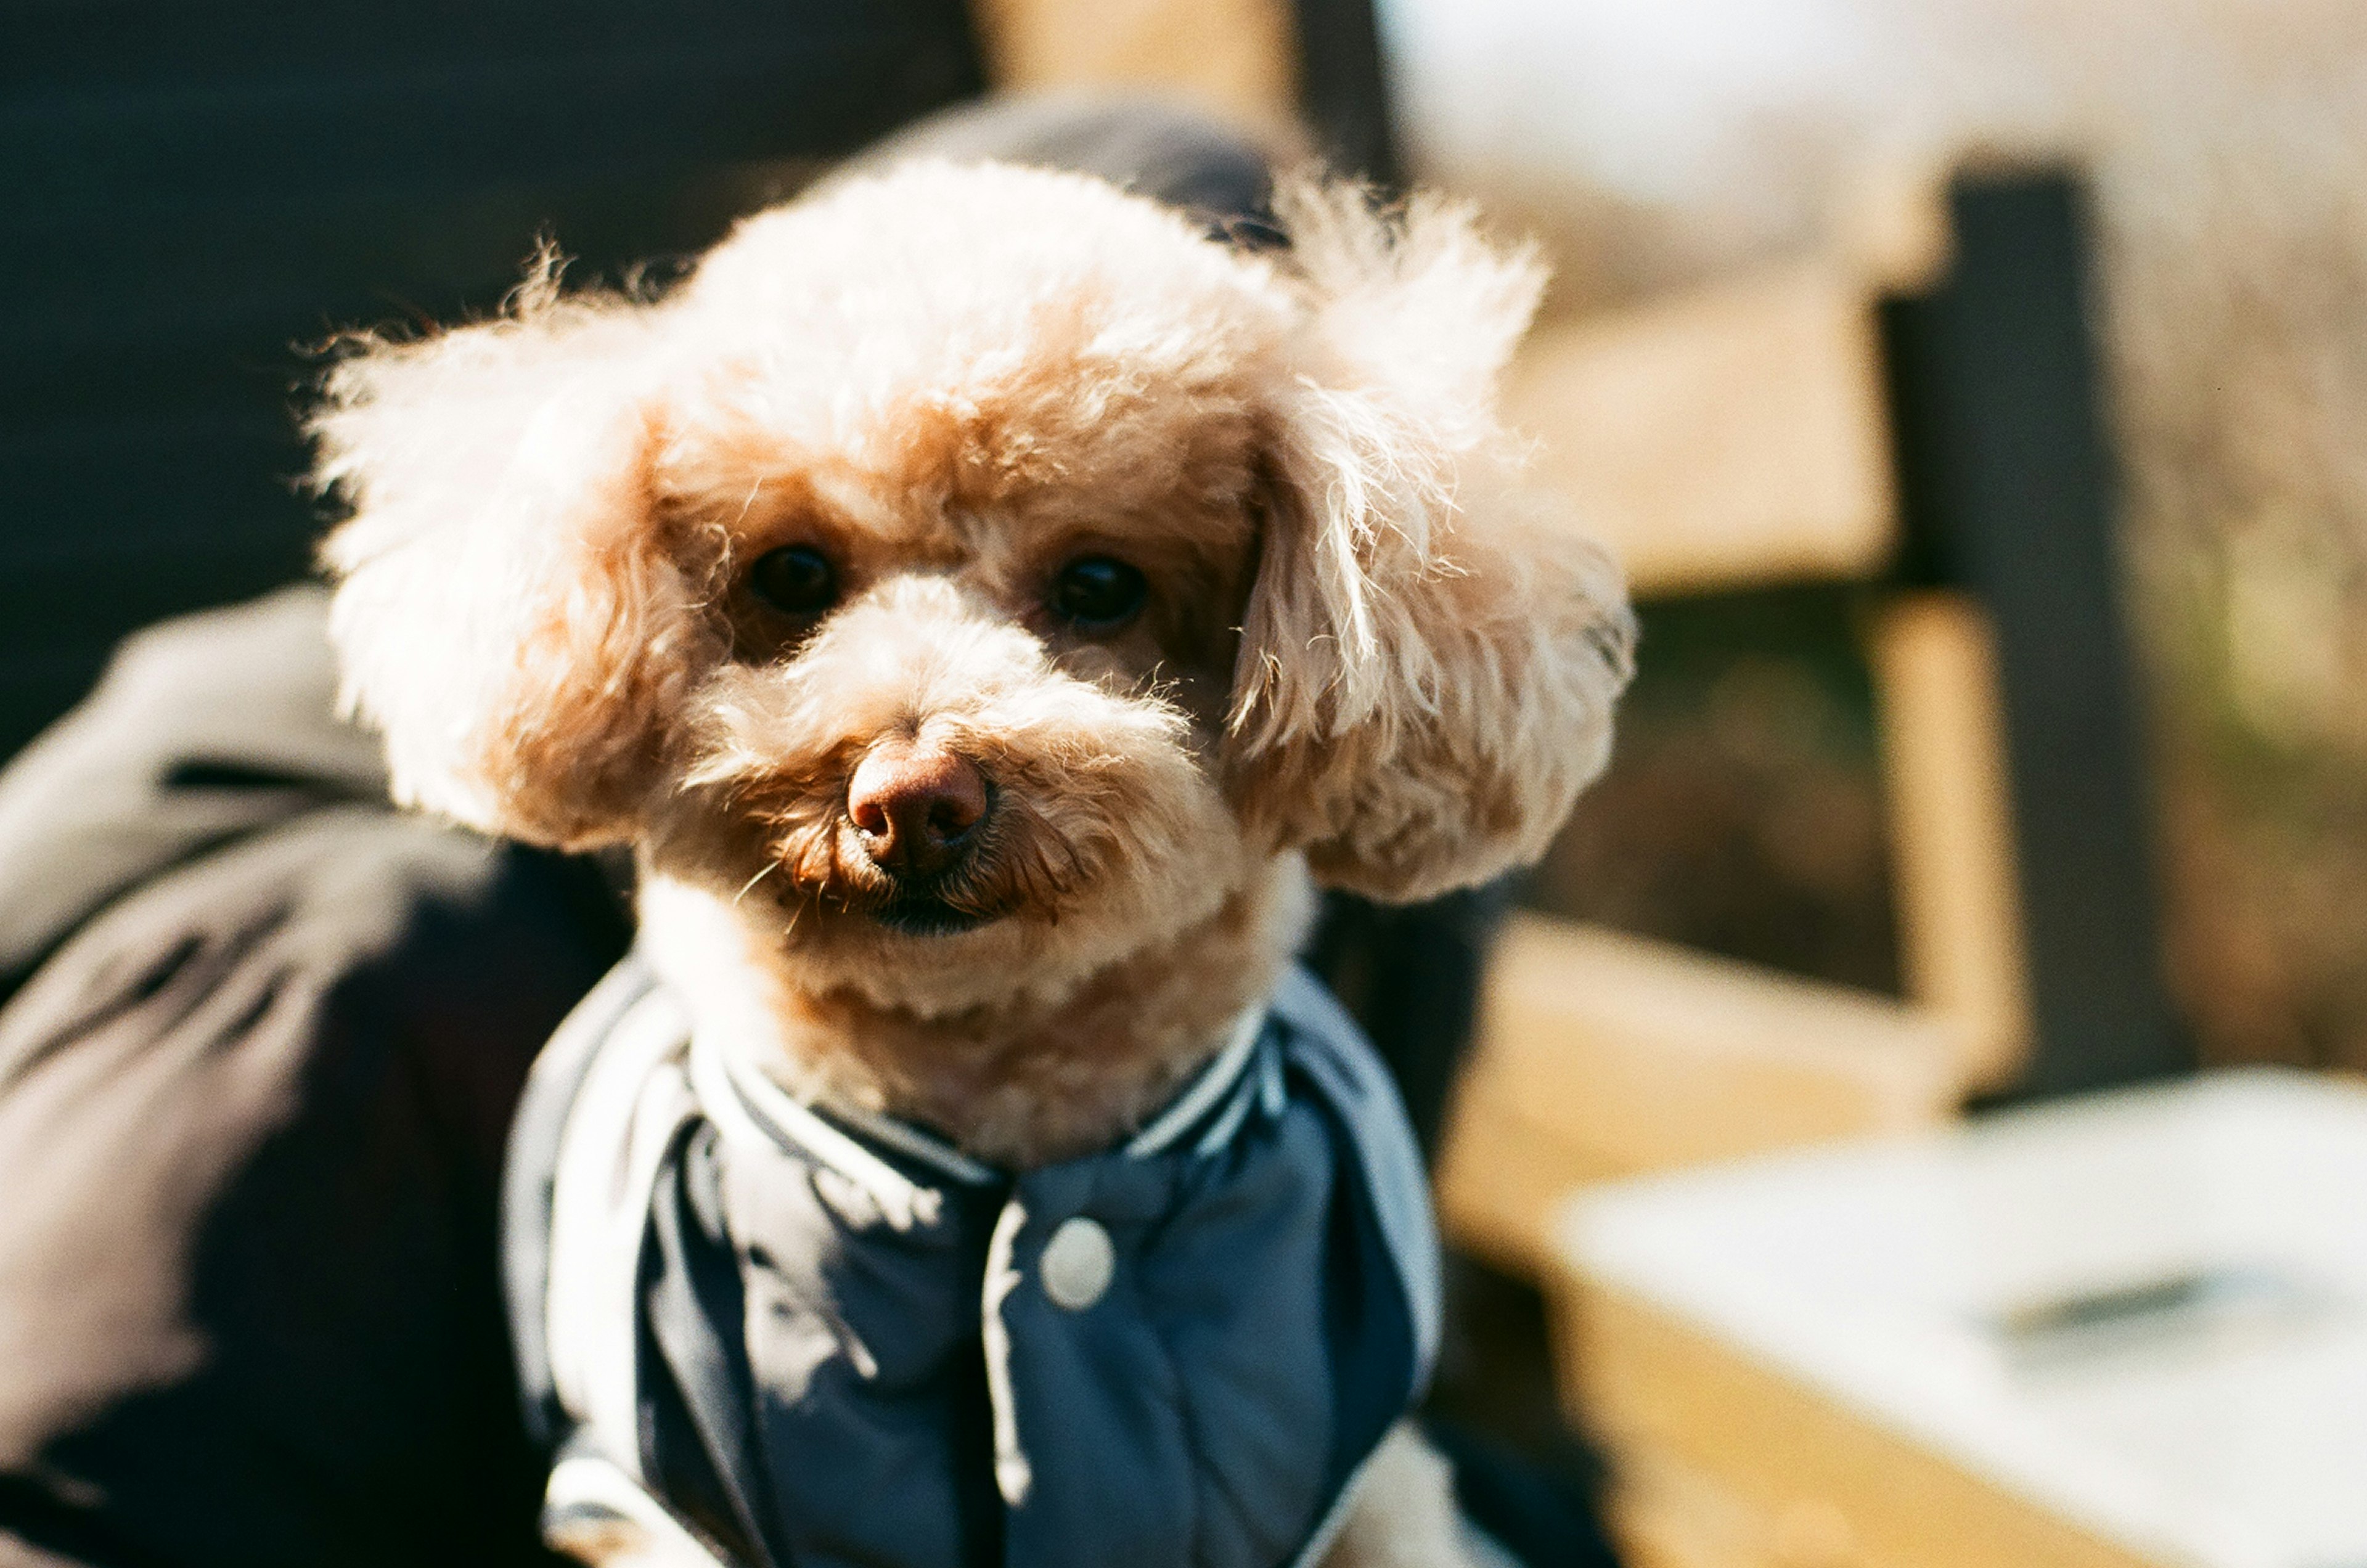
<point>925,915</point>
<point>826,872</point>
<point>815,858</point>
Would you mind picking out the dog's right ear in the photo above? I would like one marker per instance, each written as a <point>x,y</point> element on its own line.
<point>1433,650</point>
<point>505,613</point>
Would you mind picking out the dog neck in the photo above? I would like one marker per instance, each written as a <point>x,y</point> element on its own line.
<point>1035,1078</point>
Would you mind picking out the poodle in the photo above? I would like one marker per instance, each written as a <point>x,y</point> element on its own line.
<point>988,605</point>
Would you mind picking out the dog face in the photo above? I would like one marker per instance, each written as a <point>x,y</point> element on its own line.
<point>975,574</point>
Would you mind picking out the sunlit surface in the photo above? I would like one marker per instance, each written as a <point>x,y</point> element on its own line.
<point>1648,98</point>
<point>2144,1313</point>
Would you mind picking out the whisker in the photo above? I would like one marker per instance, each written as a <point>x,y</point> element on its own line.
<point>748,886</point>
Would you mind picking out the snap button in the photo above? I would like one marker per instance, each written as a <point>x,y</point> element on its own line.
<point>1078,1263</point>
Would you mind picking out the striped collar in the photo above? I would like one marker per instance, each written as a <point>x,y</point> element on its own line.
<point>742,1100</point>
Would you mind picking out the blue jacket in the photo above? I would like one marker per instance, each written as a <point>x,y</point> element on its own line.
<point>777,1337</point>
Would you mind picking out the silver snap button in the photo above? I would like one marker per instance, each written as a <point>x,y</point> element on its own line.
<point>1078,1263</point>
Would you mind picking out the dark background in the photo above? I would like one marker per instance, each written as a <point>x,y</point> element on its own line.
<point>198,196</point>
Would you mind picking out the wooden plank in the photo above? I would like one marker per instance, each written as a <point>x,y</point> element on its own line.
<point>2008,487</point>
<point>1663,1517</point>
<point>1601,1054</point>
<point>1650,1383</point>
<point>1734,436</point>
<point>1504,1172</point>
<point>1718,1058</point>
<point>1234,58</point>
<point>1950,806</point>
<point>1665,1514</point>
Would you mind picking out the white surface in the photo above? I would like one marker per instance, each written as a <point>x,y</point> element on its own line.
<point>2228,1430</point>
<point>1668,100</point>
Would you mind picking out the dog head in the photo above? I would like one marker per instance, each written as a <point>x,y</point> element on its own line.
<point>975,574</point>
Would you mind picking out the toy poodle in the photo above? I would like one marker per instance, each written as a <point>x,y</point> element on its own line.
<point>987,604</point>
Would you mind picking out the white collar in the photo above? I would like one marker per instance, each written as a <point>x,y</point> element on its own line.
<point>736,1094</point>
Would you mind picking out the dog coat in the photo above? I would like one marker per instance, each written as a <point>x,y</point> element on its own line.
<point>772,1337</point>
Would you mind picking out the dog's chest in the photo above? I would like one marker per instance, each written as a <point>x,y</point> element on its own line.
<point>801,1340</point>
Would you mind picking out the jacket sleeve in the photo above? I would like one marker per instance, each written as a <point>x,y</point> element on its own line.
<point>252,1103</point>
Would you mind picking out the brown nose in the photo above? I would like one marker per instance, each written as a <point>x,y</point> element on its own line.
<point>916,806</point>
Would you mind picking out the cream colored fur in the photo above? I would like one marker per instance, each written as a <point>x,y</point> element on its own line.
<point>1372,653</point>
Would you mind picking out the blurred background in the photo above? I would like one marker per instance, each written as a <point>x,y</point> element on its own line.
<point>2225,147</point>
<point>196,199</point>
<point>1978,388</point>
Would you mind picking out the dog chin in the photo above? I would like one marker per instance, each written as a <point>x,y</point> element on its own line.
<point>926,957</point>
<point>924,915</point>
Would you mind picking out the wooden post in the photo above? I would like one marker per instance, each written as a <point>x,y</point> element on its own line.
<point>1733,436</point>
<point>1233,57</point>
<point>2007,492</point>
<point>1935,664</point>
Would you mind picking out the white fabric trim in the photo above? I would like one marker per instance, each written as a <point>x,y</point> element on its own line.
<point>743,1102</point>
<point>1228,1122</point>
<point>1215,1078</point>
<point>614,1139</point>
<point>585,1478</point>
<point>907,1139</point>
<point>1271,1091</point>
<point>725,1084</point>
<point>1014,1476</point>
<point>1365,1090</point>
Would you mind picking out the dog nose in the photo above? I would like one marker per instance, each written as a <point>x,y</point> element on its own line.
<point>915,806</point>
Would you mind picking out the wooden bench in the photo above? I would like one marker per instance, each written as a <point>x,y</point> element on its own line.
<point>1925,424</point>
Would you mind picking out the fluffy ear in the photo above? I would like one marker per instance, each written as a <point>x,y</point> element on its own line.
<point>1432,651</point>
<point>505,613</point>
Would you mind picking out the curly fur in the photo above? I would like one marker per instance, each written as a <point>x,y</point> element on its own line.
<point>1429,656</point>
<point>1371,650</point>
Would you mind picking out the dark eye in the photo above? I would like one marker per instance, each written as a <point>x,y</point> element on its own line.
<point>796,580</point>
<point>1097,593</point>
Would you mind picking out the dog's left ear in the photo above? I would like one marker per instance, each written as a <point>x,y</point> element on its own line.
<point>1432,651</point>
